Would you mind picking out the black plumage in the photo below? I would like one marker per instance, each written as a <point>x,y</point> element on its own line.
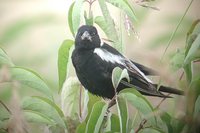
<point>94,62</point>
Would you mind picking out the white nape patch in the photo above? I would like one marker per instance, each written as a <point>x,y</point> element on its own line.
<point>107,56</point>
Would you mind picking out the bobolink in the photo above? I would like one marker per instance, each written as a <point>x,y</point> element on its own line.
<point>95,60</point>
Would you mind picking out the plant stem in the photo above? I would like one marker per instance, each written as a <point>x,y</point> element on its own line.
<point>175,30</point>
<point>141,126</point>
<point>80,99</point>
<point>5,107</point>
<point>161,102</point>
<point>90,2</point>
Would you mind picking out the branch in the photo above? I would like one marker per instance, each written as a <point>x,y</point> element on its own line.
<point>5,107</point>
<point>181,75</point>
<point>161,102</point>
<point>141,126</point>
<point>112,102</point>
<point>80,98</point>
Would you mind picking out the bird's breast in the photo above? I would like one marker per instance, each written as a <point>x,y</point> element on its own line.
<point>80,59</point>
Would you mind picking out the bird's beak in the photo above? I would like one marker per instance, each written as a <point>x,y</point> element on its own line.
<point>86,35</point>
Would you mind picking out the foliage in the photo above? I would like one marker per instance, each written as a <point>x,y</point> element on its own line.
<point>80,111</point>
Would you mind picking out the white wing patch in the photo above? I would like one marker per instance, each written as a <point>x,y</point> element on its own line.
<point>107,56</point>
<point>137,69</point>
<point>101,44</point>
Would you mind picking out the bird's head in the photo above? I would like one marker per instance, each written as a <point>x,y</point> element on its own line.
<point>87,37</point>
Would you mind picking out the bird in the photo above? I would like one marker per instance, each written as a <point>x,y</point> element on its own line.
<point>94,61</point>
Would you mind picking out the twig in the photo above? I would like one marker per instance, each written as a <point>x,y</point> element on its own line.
<point>80,98</point>
<point>6,130</point>
<point>90,2</point>
<point>150,7</point>
<point>197,61</point>
<point>148,127</point>
<point>112,102</point>
<point>181,75</point>
<point>108,40</point>
<point>161,102</point>
<point>141,126</point>
<point>175,30</point>
<point>5,107</point>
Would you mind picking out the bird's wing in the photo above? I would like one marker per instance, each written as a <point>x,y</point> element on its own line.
<point>114,56</point>
<point>139,79</point>
<point>144,69</point>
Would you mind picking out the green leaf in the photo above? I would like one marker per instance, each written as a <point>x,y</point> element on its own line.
<point>90,19</point>
<point>178,125</point>
<point>76,14</point>
<point>52,104</point>
<point>41,106</point>
<point>37,117</point>
<point>63,59</point>
<point>81,128</point>
<point>113,123</point>
<point>91,101</point>
<point>188,71</point>
<point>167,119</point>
<point>194,51</point>
<point>125,6</point>
<point>100,21</point>
<point>70,21</point>
<point>122,113</point>
<point>3,126</point>
<point>4,59</point>
<point>160,124</point>
<point>194,87</point>
<point>189,42</point>
<point>117,75</point>
<point>197,108</point>
<point>177,60</point>
<point>113,36</point>
<point>139,102</point>
<point>57,129</point>
<point>31,79</point>
<point>4,114</point>
<point>70,96</point>
<point>192,34</point>
<point>96,117</point>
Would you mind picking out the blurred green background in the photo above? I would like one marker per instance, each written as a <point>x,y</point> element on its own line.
<point>31,33</point>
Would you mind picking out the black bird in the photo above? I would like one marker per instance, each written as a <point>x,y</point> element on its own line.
<point>95,60</point>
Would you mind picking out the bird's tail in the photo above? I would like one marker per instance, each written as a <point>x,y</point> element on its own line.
<point>169,90</point>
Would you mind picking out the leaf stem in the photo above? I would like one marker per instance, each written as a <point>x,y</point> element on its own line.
<point>175,30</point>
